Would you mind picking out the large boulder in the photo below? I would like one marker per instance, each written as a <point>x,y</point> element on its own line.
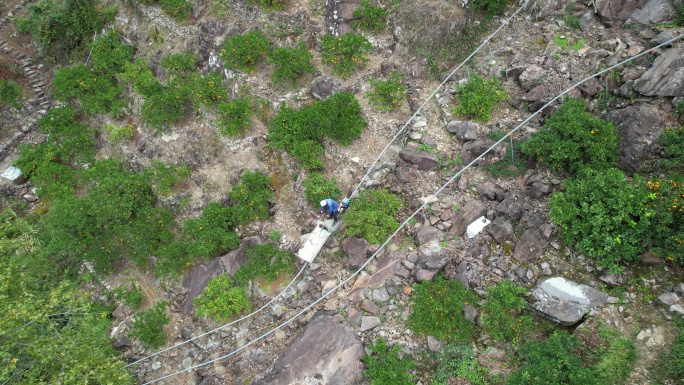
<point>198,279</point>
<point>464,130</point>
<point>511,207</point>
<point>638,126</point>
<point>666,77</point>
<point>467,215</point>
<point>529,248</point>
<point>328,352</point>
<point>616,12</point>
<point>500,229</point>
<point>423,159</point>
<point>564,301</point>
<point>426,234</point>
<point>356,249</point>
<point>471,150</point>
<point>323,87</point>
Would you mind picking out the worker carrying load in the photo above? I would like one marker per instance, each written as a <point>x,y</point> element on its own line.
<point>331,208</point>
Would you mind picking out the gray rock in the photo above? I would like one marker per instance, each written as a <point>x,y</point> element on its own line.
<point>464,130</point>
<point>531,77</point>
<point>615,12</point>
<point>596,55</point>
<point>666,77</point>
<point>470,212</point>
<point>638,126</point>
<point>529,247</point>
<point>500,229</point>
<point>469,313</point>
<point>655,11</point>
<point>536,93</point>
<point>650,259</point>
<point>433,344</point>
<point>473,149</point>
<point>369,306</point>
<point>612,279</point>
<point>186,333</point>
<point>591,87</point>
<point>323,87</point>
<point>489,191</point>
<point>122,342</point>
<point>663,37</point>
<point>564,301</point>
<point>119,313</point>
<point>425,275</point>
<point>511,207</point>
<point>677,309</point>
<point>427,234</point>
<point>356,250</point>
<point>422,159</point>
<point>381,295</point>
<point>667,298</point>
<point>327,352</point>
<point>539,190</point>
<point>369,322</point>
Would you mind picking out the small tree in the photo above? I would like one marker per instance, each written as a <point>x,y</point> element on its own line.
<point>345,53</point>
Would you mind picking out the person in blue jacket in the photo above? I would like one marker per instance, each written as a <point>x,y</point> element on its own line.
<point>331,207</point>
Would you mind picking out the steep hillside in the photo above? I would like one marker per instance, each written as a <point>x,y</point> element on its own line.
<point>174,155</point>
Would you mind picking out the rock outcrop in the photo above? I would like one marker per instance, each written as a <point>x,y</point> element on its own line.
<point>564,301</point>
<point>328,352</point>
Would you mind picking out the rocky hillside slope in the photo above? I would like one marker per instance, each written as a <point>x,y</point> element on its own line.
<point>547,48</point>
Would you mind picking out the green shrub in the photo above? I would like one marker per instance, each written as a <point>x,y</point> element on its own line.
<point>373,216</point>
<point>274,235</point>
<point>387,94</point>
<point>672,141</point>
<point>244,51</point>
<point>63,28</point>
<point>491,7</point>
<point>369,18</point>
<point>666,231</point>
<point>10,94</point>
<point>132,296</point>
<point>148,326</point>
<point>604,215</point>
<point>299,131</point>
<point>339,117</point>
<point>235,116</point>
<point>673,363</point>
<point>140,75</point>
<point>269,5</point>
<point>616,363</point>
<point>120,133</point>
<point>478,97</point>
<point>220,300</point>
<point>384,366</point>
<point>181,64</point>
<point>458,361</point>
<point>502,316</point>
<point>438,310</point>
<point>345,53</point>
<point>317,188</point>
<point>679,19</point>
<point>207,90</point>
<point>95,85</point>
<point>164,178</point>
<point>211,233</point>
<point>166,108</point>
<point>48,164</point>
<point>573,139</point>
<point>551,362</point>
<point>249,199</point>
<point>177,9</point>
<point>291,63</point>
<point>264,261</point>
